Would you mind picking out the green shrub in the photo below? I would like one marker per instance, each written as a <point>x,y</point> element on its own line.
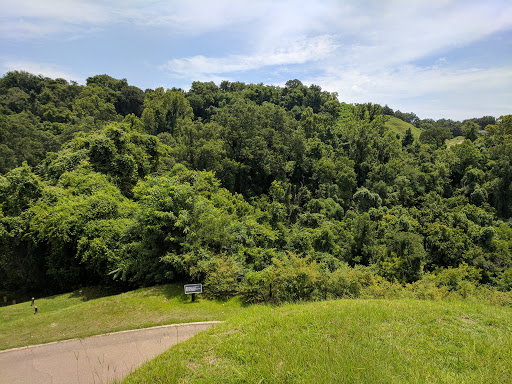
<point>426,289</point>
<point>345,282</point>
<point>296,278</point>
<point>502,299</point>
<point>257,287</point>
<point>223,275</point>
<point>506,280</point>
<point>459,278</point>
<point>383,289</point>
<point>289,278</point>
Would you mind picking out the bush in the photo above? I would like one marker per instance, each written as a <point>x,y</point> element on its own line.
<point>502,299</point>
<point>345,282</point>
<point>296,279</point>
<point>425,289</point>
<point>464,278</point>
<point>505,282</point>
<point>383,289</point>
<point>289,278</point>
<point>257,287</point>
<point>223,275</point>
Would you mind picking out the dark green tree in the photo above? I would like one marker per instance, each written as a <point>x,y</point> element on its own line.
<point>408,138</point>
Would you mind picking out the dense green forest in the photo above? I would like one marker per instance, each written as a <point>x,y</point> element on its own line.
<point>272,193</point>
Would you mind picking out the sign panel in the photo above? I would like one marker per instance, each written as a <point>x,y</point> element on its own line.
<point>193,288</point>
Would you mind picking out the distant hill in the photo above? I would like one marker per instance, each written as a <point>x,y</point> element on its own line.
<point>400,127</point>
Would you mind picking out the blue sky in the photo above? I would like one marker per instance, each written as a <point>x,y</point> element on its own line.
<point>436,58</point>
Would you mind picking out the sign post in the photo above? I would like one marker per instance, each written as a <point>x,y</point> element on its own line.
<point>192,289</point>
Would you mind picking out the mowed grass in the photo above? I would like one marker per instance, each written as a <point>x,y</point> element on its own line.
<point>343,341</point>
<point>454,141</point>
<point>68,316</point>
<point>346,341</point>
<point>400,127</point>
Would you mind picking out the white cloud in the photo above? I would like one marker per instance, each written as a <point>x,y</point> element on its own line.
<point>192,16</point>
<point>392,33</point>
<point>268,19</point>
<point>33,19</point>
<point>299,52</point>
<point>367,50</point>
<point>22,29</point>
<point>76,11</point>
<point>381,63</point>
<point>410,29</point>
<point>432,92</point>
<point>371,34</point>
<point>44,69</point>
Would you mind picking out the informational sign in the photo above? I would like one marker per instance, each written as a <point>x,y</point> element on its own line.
<point>193,288</point>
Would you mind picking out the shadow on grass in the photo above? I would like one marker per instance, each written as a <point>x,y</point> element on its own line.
<point>86,294</point>
<point>174,292</point>
<point>19,296</point>
<point>177,292</point>
<point>95,292</point>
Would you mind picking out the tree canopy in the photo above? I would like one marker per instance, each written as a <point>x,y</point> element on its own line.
<point>273,193</point>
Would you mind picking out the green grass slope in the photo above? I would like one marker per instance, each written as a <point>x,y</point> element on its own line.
<point>400,127</point>
<point>455,141</point>
<point>346,341</point>
<point>68,316</point>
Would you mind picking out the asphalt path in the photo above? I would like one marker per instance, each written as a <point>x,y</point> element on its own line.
<point>96,359</point>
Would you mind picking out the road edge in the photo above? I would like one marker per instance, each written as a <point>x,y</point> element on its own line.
<point>113,333</point>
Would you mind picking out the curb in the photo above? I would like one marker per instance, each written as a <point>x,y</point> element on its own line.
<point>112,333</point>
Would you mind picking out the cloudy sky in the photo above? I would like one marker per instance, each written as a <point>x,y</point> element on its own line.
<point>436,58</point>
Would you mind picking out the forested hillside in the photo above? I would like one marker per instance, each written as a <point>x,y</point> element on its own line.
<point>273,193</point>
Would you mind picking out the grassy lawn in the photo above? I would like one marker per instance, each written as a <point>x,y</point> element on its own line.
<point>342,341</point>
<point>68,316</point>
<point>400,127</point>
<point>454,141</point>
<point>346,341</point>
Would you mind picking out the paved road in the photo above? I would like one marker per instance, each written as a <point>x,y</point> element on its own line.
<point>97,359</point>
